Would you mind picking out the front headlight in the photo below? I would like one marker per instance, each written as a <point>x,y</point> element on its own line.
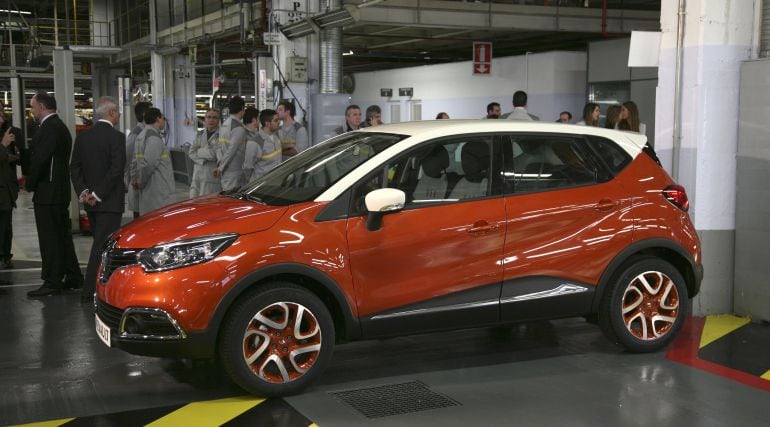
<point>167,256</point>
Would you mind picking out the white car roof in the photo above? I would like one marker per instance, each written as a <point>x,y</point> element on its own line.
<point>420,131</point>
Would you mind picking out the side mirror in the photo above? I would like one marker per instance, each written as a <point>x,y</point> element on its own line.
<point>380,202</point>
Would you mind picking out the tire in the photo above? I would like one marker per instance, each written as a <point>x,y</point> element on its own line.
<point>263,350</point>
<point>645,306</point>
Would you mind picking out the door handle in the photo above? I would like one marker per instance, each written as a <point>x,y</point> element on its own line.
<point>482,227</point>
<point>605,205</point>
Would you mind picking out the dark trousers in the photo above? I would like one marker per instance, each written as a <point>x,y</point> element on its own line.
<point>60,264</point>
<point>6,234</point>
<point>103,224</point>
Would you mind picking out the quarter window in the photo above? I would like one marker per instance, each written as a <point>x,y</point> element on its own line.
<point>615,157</point>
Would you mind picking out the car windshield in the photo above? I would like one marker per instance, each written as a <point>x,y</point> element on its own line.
<point>306,175</point>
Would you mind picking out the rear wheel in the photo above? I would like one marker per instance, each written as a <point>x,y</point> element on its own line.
<point>276,340</point>
<point>645,306</point>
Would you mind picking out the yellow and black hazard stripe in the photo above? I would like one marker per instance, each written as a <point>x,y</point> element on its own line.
<point>726,345</point>
<point>231,412</point>
<point>737,343</point>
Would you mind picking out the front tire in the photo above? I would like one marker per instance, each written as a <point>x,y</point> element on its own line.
<point>645,306</point>
<point>276,340</point>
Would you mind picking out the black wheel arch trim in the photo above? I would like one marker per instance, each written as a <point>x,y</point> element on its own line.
<point>351,323</point>
<point>693,277</point>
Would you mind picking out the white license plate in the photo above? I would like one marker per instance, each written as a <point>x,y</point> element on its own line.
<point>103,331</point>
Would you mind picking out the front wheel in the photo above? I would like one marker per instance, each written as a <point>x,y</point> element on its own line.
<point>276,340</point>
<point>645,306</point>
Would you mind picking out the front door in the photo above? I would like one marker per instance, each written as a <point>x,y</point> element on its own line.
<point>435,264</point>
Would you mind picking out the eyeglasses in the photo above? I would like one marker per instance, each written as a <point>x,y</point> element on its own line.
<point>212,117</point>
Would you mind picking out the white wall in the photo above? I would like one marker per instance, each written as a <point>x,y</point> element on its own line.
<point>554,81</point>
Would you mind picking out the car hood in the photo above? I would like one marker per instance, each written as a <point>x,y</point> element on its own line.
<point>198,217</point>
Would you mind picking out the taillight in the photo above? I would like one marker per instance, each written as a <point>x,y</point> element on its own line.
<point>677,196</point>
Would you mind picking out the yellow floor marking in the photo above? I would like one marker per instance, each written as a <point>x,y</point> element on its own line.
<point>720,325</point>
<point>51,423</point>
<point>766,376</point>
<point>208,413</point>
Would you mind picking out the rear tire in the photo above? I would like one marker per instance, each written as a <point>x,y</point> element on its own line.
<point>645,306</point>
<point>276,340</point>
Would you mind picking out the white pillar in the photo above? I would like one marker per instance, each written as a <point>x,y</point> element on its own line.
<point>158,79</point>
<point>184,124</point>
<point>717,37</point>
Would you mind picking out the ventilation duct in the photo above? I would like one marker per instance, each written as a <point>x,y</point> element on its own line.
<point>331,54</point>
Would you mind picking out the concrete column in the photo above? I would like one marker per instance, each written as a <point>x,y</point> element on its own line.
<point>64,88</point>
<point>184,124</point>
<point>157,77</point>
<point>717,37</point>
<point>17,104</point>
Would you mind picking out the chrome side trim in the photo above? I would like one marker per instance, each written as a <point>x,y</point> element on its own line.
<point>122,329</point>
<point>563,289</point>
<point>436,310</point>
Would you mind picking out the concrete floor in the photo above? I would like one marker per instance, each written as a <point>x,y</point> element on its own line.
<point>53,367</point>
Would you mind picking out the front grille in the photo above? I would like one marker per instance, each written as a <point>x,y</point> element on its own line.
<point>110,315</point>
<point>113,259</point>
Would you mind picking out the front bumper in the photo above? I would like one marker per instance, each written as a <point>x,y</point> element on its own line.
<point>153,332</point>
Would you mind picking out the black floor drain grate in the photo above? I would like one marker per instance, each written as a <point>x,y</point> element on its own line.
<point>394,399</point>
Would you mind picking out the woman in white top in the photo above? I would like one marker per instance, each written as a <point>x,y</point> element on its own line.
<point>591,113</point>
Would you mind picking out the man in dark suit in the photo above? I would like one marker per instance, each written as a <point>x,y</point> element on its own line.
<point>49,179</point>
<point>16,154</point>
<point>97,168</point>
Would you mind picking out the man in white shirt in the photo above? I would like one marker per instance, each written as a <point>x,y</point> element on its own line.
<point>520,107</point>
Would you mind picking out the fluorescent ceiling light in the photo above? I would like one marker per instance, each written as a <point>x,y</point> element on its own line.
<point>20,12</point>
<point>348,53</point>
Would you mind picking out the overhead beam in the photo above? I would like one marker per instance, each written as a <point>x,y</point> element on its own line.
<point>498,16</point>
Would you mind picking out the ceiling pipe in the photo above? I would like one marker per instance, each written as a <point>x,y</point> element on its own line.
<point>331,54</point>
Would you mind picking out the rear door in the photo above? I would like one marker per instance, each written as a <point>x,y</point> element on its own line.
<point>435,264</point>
<point>567,218</point>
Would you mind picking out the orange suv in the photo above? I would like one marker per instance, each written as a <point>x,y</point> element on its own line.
<point>406,228</point>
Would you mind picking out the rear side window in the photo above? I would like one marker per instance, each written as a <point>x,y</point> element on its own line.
<point>613,156</point>
<point>545,162</point>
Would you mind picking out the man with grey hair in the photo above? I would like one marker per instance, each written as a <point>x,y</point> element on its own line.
<point>97,168</point>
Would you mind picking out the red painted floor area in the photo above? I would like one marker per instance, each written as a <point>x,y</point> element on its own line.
<point>685,350</point>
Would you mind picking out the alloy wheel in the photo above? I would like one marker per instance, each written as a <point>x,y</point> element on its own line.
<point>282,342</point>
<point>650,305</point>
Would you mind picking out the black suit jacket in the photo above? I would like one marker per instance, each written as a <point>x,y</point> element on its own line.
<point>98,163</point>
<point>49,174</point>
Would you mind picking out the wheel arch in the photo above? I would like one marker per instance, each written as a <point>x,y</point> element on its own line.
<point>326,289</point>
<point>664,249</point>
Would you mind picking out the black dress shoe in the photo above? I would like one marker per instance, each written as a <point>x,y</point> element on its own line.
<point>73,285</point>
<point>43,291</point>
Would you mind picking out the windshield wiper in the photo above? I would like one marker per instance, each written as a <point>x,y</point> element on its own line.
<point>250,197</point>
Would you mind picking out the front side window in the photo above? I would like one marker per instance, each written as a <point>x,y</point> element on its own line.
<point>310,173</point>
<point>449,170</point>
